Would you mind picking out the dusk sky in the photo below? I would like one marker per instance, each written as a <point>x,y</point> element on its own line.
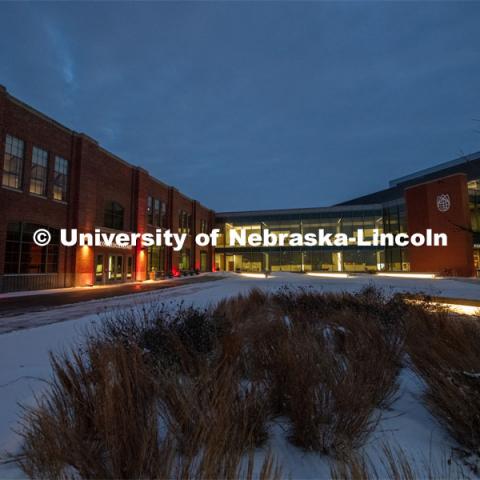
<point>248,106</point>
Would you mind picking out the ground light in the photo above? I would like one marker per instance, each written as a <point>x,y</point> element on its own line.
<point>329,274</point>
<point>407,275</point>
<point>256,275</point>
<point>461,309</point>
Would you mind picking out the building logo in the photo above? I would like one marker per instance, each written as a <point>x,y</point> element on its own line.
<point>443,202</point>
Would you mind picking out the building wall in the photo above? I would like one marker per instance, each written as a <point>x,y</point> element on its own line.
<point>96,177</point>
<point>423,212</point>
<point>19,205</point>
<point>103,179</point>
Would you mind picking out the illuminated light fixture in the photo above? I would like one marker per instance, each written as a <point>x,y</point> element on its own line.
<point>408,275</point>
<point>256,275</point>
<point>454,307</point>
<point>329,274</point>
<point>463,309</point>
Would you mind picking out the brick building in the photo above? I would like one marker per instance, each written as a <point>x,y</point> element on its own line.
<point>56,178</point>
<point>53,177</point>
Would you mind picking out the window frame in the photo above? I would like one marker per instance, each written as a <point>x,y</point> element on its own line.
<point>60,179</point>
<point>36,165</point>
<point>157,204</point>
<point>149,210</point>
<point>114,215</point>
<point>13,153</point>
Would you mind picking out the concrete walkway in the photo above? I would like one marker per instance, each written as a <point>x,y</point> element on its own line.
<point>32,302</point>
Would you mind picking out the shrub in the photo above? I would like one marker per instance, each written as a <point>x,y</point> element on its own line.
<point>172,335</point>
<point>395,464</point>
<point>319,357</point>
<point>213,408</point>
<point>98,420</point>
<point>445,352</point>
<point>173,391</point>
<point>103,415</point>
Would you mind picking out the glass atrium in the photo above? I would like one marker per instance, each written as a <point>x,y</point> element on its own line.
<point>333,220</point>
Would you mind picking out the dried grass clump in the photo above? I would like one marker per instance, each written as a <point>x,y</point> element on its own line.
<point>172,336</point>
<point>213,408</point>
<point>394,464</point>
<point>445,352</point>
<point>319,357</point>
<point>98,420</point>
<point>188,393</point>
<point>107,415</point>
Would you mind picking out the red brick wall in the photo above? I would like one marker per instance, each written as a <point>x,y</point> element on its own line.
<point>16,206</point>
<point>422,213</point>
<point>96,177</point>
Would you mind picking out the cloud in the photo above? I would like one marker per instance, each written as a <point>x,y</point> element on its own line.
<point>66,65</point>
<point>259,104</point>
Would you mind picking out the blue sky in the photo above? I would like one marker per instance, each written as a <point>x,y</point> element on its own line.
<point>254,105</point>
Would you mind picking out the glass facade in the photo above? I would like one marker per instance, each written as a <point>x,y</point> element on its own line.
<point>395,221</point>
<point>474,204</point>
<point>347,220</point>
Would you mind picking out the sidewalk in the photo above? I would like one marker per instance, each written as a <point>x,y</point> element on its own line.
<point>18,303</point>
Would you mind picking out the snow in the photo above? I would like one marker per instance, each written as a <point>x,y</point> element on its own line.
<point>24,362</point>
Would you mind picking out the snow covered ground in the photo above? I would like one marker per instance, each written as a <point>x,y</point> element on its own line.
<point>24,363</point>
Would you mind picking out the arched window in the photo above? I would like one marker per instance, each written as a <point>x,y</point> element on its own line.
<point>113,216</point>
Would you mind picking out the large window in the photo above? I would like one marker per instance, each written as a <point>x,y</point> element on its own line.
<point>156,259</point>
<point>13,163</point>
<point>203,261</point>
<point>184,263</point>
<point>156,212</point>
<point>474,200</point>
<point>150,210</point>
<point>160,211</point>
<point>60,179</point>
<point>163,215</point>
<point>184,222</point>
<point>38,177</point>
<point>22,255</point>
<point>113,216</point>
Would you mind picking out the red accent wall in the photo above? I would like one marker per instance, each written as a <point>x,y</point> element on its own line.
<point>422,212</point>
